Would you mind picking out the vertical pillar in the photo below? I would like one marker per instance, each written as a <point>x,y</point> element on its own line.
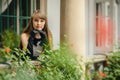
<point>18,14</point>
<point>43,6</point>
<point>73,24</point>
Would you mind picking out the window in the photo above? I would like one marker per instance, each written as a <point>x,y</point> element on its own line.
<point>117,18</point>
<point>14,14</point>
<point>105,26</point>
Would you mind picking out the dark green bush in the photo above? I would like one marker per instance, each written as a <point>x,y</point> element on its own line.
<point>61,64</point>
<point>112,68</point>
<point>10,39</point>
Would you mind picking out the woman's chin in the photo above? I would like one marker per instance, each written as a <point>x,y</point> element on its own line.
<point>39,29</point>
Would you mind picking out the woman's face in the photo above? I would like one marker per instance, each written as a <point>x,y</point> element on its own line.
<point>38,23</point>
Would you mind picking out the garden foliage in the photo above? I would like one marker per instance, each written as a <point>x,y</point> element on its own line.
<point>60,64</point>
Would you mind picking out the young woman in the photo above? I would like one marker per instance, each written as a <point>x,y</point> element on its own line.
<point>36,35</point>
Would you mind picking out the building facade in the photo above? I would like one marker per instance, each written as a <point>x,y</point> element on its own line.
<point>92,26</point>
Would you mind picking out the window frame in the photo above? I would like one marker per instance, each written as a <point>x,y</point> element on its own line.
<point>19,17</point>
<point>91,12</point>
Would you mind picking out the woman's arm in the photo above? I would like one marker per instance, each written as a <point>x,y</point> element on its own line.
<point>24,40</point>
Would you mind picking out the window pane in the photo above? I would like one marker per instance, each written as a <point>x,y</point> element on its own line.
<point>15,14</point>
<point>104,27</point>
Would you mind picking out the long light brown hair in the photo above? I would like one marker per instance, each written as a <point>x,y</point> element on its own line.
<point>29,28</point>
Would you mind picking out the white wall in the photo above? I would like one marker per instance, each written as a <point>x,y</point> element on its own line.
<point>90,29</point>
<point>53,13</point>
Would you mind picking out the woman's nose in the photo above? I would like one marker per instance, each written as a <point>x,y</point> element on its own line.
<point>39,22</point>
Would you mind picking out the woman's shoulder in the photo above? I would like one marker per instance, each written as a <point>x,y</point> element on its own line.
<point>24,35</point>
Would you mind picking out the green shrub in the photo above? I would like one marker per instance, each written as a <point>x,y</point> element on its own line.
<point>10,39</point>
<point>19,69</point>
<point>61,64</point>
<point>112,68</point>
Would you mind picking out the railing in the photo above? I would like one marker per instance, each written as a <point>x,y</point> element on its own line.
<point>15,14</point>
<point>95,64</point>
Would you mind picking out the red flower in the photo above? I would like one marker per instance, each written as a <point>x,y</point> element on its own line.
<point>72,45</point>
<point>7,49</point>
<point>102,74</point>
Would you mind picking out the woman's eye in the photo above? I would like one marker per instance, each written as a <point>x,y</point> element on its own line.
<point>42,20</point>
<point>39,20</point>
<point>35,20</point>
